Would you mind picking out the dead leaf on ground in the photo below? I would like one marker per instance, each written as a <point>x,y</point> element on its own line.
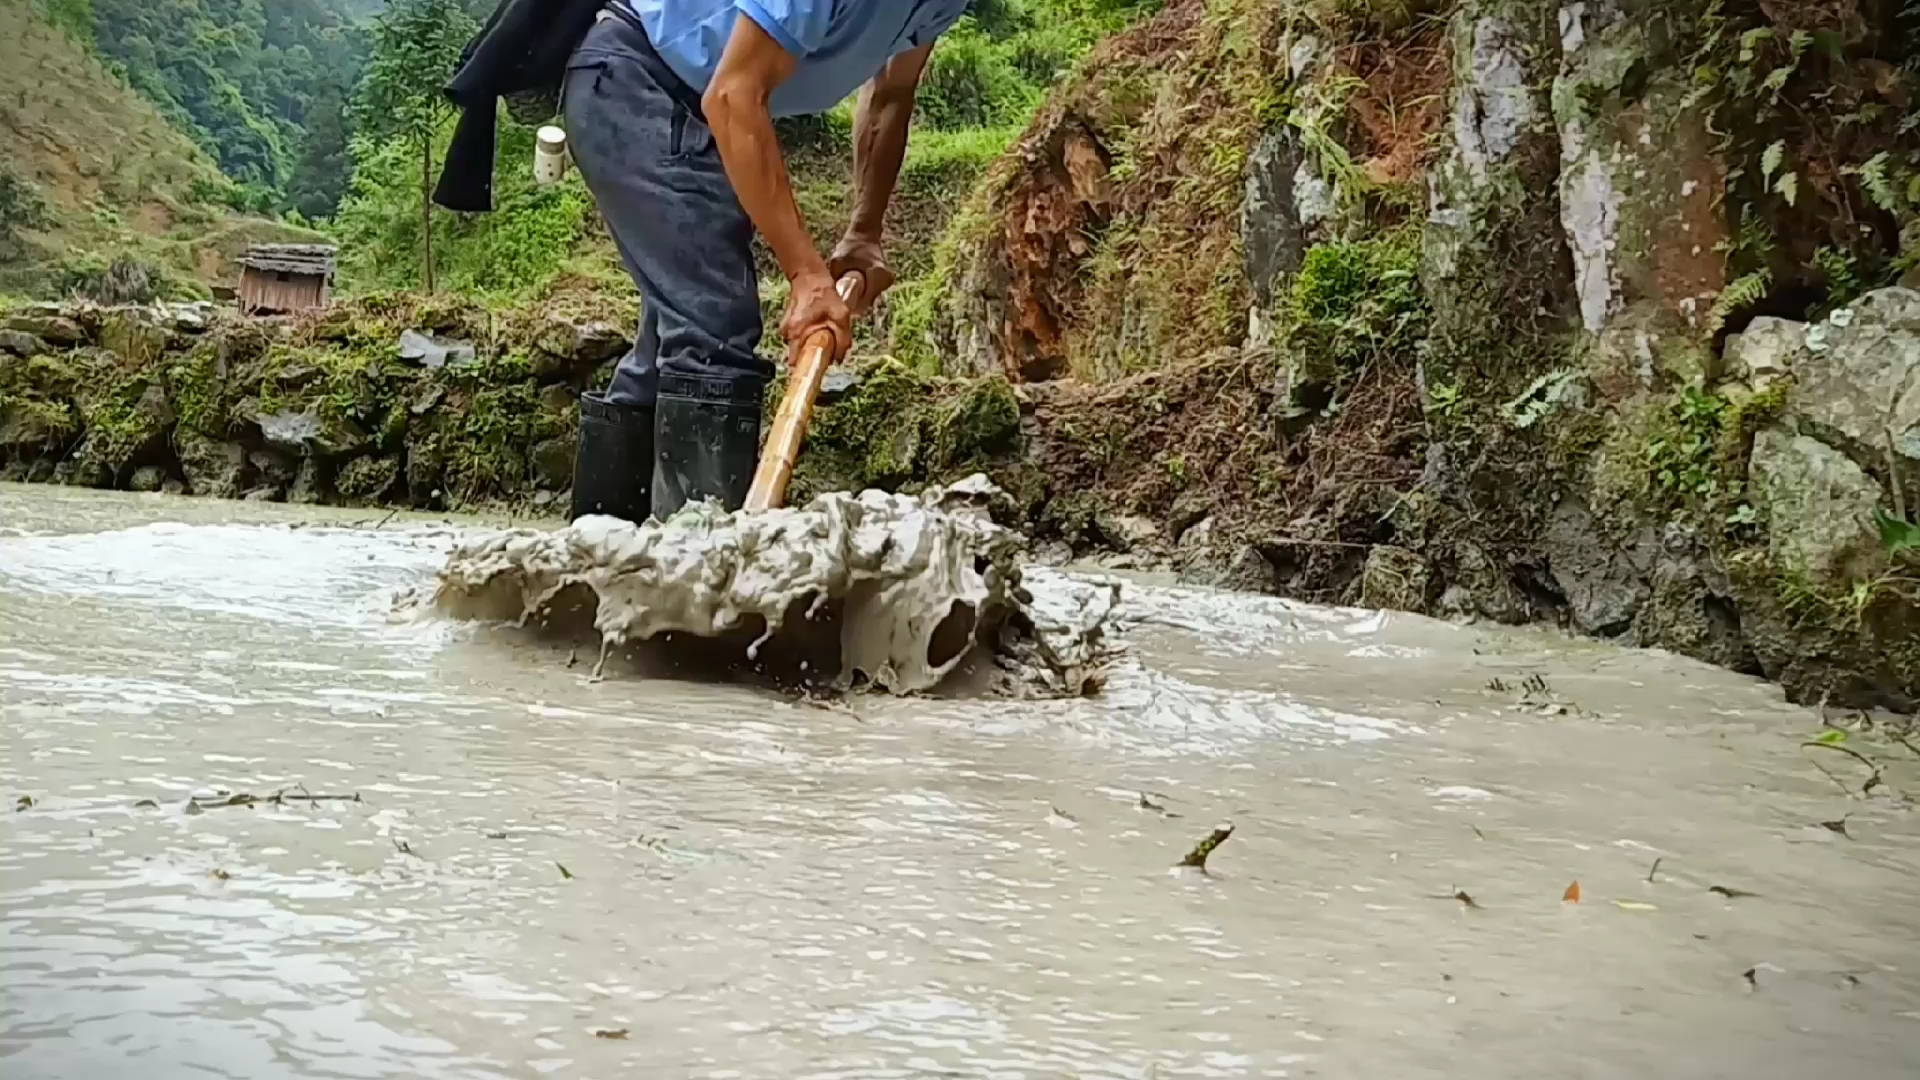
<point>1572,895</point>
<point>609,1033</point>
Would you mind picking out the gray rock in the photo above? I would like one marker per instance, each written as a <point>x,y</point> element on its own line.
<point>134,333</point>
<point>552,464</point>
<point>1239,567</point>
<point>1819,508</point>
<point>290,431</point>
<point>433,352</point>
<point>597,342</point>
<point>1605,582</point>
<point>41,471</point>
<point>1689,610</point>
<point>840,382</point>
<point>1128,532</point>
<point>308,432</point>
<point>57,330</point>
<point>213,468</point>
<point>367,478</point>
<point>1270,225</point>
<point>172,486</point>
<point>188,318</point>
<point>15,471</point>
<point>1766,350</point>
<point>1858,380</point>
<point>558,398</point>
<point>1490,586</point>
<point>21,343</point>
<point>1395,579</point>
<point>275,468</point>
<point>427,400</point>
<point>35,424</point>
<point>147,478</point>
<point>309,487</point>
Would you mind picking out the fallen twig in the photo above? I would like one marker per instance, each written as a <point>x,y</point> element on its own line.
<point>1873,781</point>
<point>1197,858</point>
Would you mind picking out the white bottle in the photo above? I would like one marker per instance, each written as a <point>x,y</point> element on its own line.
<point>549,155</point>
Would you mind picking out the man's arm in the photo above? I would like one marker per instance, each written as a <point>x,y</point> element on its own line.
<point>880,124</point>
<point>736,107</point>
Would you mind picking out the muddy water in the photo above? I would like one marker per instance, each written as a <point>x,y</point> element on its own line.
<point>753,888</point>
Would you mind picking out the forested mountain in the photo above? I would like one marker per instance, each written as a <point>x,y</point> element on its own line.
<point>91,172</point>
<point>259,84</point>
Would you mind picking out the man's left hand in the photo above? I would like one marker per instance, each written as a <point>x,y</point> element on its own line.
<point>865,256</point>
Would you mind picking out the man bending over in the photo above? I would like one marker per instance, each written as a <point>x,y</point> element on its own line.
<point>669,107</point>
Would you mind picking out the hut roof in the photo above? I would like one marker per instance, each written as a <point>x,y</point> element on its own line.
<point>308,259</point>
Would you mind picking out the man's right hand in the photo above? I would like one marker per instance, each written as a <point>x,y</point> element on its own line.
<point>815,304</point>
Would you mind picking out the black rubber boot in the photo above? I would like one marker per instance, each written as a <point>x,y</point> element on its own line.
<point>706,440</point>
<point>613,464</point>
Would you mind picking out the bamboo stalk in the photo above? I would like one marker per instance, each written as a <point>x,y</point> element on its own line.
<point>782,450</point>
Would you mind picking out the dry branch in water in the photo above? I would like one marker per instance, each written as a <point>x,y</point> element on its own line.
<point>1197,858</point>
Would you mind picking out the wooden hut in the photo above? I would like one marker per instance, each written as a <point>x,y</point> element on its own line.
<point>280,278</point>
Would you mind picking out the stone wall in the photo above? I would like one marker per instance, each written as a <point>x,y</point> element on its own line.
<point>395,401</point>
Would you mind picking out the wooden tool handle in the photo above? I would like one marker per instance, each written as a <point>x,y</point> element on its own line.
<point>809,372</point>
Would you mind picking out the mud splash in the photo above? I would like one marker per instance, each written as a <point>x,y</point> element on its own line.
<point>891,590</point>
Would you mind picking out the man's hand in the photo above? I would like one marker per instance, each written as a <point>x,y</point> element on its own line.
<point>862,255</point>
<point>815,304</point>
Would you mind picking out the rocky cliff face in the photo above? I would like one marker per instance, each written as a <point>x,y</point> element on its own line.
<point>1497,308</point>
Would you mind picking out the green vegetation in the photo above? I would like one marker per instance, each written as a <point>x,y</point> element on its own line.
<point>257,85</point>
<point>416,43</point>
<point>1358,302</point>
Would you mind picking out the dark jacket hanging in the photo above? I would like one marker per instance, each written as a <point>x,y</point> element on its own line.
<point>520,55</point>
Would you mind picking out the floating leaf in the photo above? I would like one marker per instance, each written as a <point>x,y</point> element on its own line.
<point>609,1033</point>
<point>1832,737</point>
<point>146,804</point>
<point>1572,895</point>
<point>565,874</point>
<point>1839,825</point>
<point>219,875</point>
<point>1731,894</point>
<point>24,802</point>
<point>1197,858</point>
<point>1654,869</point>
<point>1461,895</point>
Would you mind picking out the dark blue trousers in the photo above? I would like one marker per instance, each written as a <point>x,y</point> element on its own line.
<point>644,150</point>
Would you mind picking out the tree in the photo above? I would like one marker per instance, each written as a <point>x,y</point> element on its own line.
<point>416,46</point>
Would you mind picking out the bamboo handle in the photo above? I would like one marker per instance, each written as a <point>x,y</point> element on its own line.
<point>782,450</point>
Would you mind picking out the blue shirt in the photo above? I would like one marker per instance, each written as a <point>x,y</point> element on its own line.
<point>840,44</point>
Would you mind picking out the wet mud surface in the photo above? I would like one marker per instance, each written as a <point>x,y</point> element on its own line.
<point>548,874</point>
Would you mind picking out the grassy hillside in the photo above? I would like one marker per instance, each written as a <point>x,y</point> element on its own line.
<point>89,172</point>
